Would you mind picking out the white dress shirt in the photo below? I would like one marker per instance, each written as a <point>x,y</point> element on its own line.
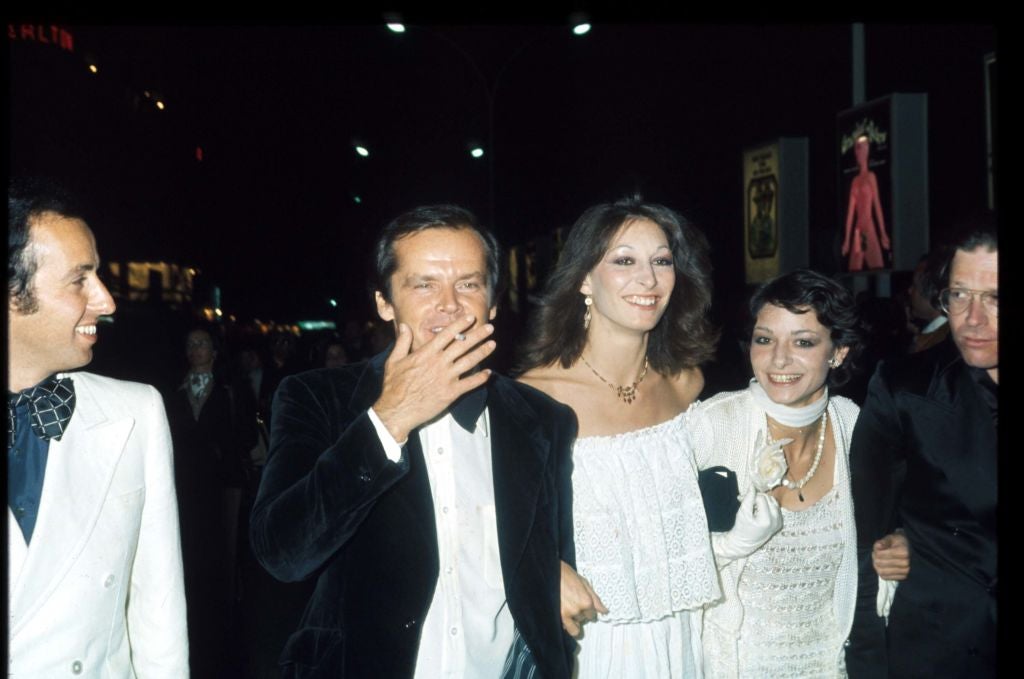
<point>468,629</point>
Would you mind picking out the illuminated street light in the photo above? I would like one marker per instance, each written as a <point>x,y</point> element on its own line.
<point>476,152</point>
<point>581,28</point>
<point>362,150</point>
<point>396,27</point>
<point>93,68</point>
<point>160,104</point>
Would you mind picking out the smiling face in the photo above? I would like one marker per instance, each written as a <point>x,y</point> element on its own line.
<point>59,335</point>
<point>632,283</point>
<point>789,354</point>
<point>976,330</point>
<point>441,276</point>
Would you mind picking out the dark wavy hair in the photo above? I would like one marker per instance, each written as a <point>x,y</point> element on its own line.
<point>432,217</point>
<point>834,306</point>
<point>976,232</point>
<point>27,199</point>
<point>683,338</point>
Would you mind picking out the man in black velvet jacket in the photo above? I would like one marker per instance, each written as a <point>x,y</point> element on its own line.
<point>924,456</point>
<point>378,482</point>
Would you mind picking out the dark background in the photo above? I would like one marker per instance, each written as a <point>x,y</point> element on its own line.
<point>269,213</point>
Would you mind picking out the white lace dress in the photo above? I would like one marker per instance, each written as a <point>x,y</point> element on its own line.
<point>789,622</point>
<point>642,542</point>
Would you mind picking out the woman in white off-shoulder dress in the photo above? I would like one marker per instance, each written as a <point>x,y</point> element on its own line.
<point>618,335</point>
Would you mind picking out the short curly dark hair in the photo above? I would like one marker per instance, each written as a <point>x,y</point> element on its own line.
<point>834,306</point>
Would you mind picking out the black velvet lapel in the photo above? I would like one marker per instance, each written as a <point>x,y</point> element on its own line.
<point>519,454</point>
<point>370,383</point>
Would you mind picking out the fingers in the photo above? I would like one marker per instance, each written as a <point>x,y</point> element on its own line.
<point>470,341</point>
<point>766,510</point>
<point>456,332</point>
<point>403,343</point>
<point>468,361</point>
<point>747,502</point>
<point>571,626</point>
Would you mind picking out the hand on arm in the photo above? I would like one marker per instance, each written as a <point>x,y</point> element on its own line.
<point>891,556</point>
<point>420,384</point>
<point>580,602</point>
<point>758,518</point>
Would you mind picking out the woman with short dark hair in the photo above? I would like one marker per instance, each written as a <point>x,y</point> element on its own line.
<point>788,604</point>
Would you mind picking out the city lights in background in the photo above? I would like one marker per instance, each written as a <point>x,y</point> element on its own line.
<point>396,27</point>
<point>362,150</point>
<point>476,152</point>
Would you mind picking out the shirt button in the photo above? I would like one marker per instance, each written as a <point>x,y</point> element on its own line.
<point>20,511</point>
<point>76,667</point>
<point>440,451</point>
<point>454,631</point>
<point>444,509</point>
<point>449,570</point>
<point>109,581</point>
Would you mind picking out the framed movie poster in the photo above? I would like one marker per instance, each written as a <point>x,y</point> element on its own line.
<point>774,208</point>
<point>883,183</point>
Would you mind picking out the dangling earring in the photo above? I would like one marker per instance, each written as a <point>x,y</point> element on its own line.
<point>587,301</point>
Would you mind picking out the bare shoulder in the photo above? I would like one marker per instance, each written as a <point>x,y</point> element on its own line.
<point>688,384</point>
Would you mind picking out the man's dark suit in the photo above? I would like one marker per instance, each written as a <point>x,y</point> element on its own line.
<point>924,457</point>
<point>331,505</point>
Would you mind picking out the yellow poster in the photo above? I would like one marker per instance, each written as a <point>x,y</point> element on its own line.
<point>761,213</point>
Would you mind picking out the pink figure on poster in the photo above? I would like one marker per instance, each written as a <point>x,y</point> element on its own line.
<point>866,244</point>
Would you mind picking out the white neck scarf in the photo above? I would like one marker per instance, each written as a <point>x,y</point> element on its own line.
<point>785,415</point>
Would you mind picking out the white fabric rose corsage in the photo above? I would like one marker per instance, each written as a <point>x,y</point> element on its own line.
<point>768,464</point>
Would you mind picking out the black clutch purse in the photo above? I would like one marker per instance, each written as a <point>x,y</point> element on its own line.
<point>720,491</point>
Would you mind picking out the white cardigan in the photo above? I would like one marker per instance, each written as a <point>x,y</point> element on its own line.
<point>724,429</point>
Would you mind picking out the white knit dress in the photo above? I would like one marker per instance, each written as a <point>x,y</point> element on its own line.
<point>788,608</point>
<point>642,542</point>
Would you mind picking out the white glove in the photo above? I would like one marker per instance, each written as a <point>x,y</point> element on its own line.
<point>758,518</point>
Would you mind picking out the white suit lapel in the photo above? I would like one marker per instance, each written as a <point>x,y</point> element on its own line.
<point>79,470</point>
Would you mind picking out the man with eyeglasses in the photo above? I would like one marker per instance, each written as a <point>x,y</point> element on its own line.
<point>924,457</point>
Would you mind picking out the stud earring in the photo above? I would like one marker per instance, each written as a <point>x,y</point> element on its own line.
<point>834,362</point>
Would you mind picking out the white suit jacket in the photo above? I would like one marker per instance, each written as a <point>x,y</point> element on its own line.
<point>99,593</point>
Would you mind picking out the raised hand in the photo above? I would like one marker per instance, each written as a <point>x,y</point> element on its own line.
<point>419,385</point>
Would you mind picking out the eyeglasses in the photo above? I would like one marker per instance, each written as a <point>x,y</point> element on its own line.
<point>955,301</point>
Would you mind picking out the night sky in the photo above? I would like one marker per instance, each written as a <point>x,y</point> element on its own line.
<point>269,213</point>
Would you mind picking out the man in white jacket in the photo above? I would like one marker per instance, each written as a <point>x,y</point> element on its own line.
<point>94,579</point>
